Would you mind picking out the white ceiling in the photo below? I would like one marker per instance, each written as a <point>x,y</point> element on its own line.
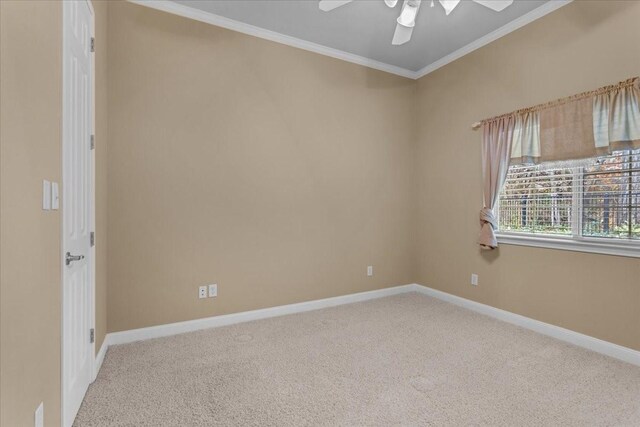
<point>361,31</point>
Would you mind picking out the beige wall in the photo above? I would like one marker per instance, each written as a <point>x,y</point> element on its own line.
<point>30,151</point>
<point>280,175</point>
<point>582,46</point>
<point>277,173</point>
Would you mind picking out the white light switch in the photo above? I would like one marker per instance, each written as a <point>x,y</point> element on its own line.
<point>474,279</point>
<point>55,196</point>
<point>213,291</point>
<point>370,270</point>
<point>46,195</point>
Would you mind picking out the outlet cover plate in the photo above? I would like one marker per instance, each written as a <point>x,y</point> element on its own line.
<point>202,292</point>
<point>39,416</point>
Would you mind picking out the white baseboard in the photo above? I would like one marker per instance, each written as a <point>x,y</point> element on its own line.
<point>100,357</point>
<point>575,338</point>
<point>247,316</point>
<point>594,344</point>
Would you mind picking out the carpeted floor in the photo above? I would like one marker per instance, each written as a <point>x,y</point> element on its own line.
<point>403,360</point>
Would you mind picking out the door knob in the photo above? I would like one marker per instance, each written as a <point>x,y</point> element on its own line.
<point>70,258</point>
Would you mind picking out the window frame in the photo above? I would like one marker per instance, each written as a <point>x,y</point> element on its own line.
<point>576,241</point>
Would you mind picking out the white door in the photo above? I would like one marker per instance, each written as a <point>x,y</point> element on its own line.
<point>77,207</point>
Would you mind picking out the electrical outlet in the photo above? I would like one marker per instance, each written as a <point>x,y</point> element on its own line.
<point>213,291</point>
<point>370,270</point>
<point>39,416</point>
<point>202,292</point>
<point>474,279</point>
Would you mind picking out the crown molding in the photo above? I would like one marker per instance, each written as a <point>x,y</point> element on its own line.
<point>241,27</point>
<point>517,23</point>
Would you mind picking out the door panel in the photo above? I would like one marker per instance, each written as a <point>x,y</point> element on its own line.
<point>77,199</point>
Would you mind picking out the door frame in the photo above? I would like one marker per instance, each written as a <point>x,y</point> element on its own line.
<point>92,204</point>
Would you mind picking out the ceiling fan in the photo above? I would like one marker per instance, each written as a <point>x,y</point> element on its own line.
<point>407,19</point>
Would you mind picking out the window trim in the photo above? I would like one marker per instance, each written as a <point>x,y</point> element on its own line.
<point>596,245</point>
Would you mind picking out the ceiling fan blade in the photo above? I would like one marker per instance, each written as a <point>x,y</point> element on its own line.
<point>327,5</point>
<point>497,5</point>
<point>401,35</point>
<point>449,5</point>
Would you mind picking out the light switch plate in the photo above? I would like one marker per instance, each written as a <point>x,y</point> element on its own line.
<point>46,195</point>
<point>474,279</point>
<point>370,270</point>
<point>55,196</point>
<point>213,291</point>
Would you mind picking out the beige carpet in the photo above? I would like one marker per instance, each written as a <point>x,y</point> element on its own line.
<point>402,360</point>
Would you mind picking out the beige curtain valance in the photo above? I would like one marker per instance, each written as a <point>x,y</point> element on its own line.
<point>586,125</point>
<point>580,126</point>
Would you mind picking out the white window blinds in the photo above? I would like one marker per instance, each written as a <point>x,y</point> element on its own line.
<point>597,197</point>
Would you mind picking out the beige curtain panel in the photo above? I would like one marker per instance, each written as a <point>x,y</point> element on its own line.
<point>497,141</point>
<point>616,118</point>
<point>581,126</point>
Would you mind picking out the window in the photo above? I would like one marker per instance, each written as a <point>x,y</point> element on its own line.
<point>591,205</point>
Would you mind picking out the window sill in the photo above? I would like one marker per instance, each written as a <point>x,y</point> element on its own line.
<point>591,245</point>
